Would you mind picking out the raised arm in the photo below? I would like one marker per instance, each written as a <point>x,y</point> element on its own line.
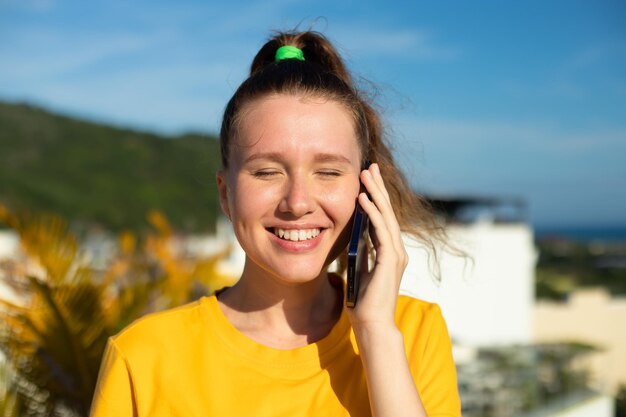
<point>392,391</point>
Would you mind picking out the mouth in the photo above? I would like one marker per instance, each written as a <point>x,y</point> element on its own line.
<point>296,235</point>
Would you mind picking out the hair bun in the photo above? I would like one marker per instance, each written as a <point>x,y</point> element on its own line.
<point>315,47</point>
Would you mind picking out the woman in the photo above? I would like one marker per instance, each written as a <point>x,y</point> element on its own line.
<point>294,140</point>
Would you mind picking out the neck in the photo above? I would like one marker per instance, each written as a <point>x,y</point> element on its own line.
<point>263,306</point>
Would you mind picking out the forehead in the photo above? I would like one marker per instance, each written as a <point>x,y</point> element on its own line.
<point>295,125</point>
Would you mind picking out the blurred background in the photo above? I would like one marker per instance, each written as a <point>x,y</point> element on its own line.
<point>510,117</point>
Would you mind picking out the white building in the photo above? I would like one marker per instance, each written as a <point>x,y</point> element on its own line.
<point>487,297</point>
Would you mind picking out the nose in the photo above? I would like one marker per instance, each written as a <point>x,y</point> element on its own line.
<point>297,198</point>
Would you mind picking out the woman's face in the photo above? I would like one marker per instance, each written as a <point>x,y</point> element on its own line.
<point>292,182</point>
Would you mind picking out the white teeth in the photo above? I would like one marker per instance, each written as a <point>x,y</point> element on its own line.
<point>297,235</point>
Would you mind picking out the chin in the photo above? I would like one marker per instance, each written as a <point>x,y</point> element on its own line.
<point>301,275</point>
<point>291,267</point>
<point>300,271</point>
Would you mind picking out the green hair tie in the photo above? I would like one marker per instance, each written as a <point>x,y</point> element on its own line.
<point>288,52</point>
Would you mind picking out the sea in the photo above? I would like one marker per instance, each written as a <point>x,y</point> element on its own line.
<point>583,234</point>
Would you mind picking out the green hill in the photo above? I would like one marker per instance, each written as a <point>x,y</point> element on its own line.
<point>96,174</point>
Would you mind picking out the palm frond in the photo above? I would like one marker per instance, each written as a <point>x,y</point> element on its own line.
<point>54,337</point>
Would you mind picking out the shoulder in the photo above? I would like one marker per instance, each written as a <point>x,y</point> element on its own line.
<point>419,319</point>
<point>413,309</point>
<point>162,329</point>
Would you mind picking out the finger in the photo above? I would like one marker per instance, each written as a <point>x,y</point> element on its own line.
<point>389,249</point>
<point>385,207</point>
<point>377,191</point>
<point>374,169</point>
<point>380,198</point>
<point>381,235</point>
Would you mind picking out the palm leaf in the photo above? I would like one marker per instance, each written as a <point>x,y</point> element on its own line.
<point>46,239</point>
<point>55,337</point>
<point>57,341</point>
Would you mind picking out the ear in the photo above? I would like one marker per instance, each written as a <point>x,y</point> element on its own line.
<point>222,188</point>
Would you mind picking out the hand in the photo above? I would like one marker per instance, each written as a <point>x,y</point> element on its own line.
<point>378,292</point>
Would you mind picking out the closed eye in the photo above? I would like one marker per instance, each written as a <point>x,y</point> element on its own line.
<point>329,173</point>
<point>264,174</point>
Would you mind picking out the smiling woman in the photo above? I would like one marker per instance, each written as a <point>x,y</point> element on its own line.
<point>294,140</point>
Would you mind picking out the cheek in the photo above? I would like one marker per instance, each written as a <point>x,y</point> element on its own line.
<point>341,201</point>
<point>248,199</point>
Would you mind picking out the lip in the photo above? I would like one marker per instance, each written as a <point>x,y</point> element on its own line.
<point>300,246</point>
<point>292,226</point>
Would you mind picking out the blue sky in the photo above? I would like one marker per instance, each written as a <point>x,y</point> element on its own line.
<point>513,99</point>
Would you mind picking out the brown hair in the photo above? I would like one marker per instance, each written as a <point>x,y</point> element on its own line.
<point>323,74</point>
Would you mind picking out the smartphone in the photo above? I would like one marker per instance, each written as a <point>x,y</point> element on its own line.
<point>357,251</point>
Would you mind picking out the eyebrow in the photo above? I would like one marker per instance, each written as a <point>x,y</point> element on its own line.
<point>319,157</point>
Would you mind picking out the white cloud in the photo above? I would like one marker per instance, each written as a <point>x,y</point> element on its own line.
<point>169,98</point>
<point>259,16</point>
<point>541,137</point>
<point>596,54</point>
<point>29,5</point>
<point>451,155</point>
<point>48,53</point>
<point>362,39</point>
<point>594,69</point>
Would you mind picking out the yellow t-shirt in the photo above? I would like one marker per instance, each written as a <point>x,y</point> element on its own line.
<point>191,361</point>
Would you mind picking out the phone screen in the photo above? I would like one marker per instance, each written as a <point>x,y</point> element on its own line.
<point>357,250</point>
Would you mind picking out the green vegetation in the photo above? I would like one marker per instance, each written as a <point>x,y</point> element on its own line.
<point>105,176</point>
<point>507,381</point>
<point>565,266</point>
